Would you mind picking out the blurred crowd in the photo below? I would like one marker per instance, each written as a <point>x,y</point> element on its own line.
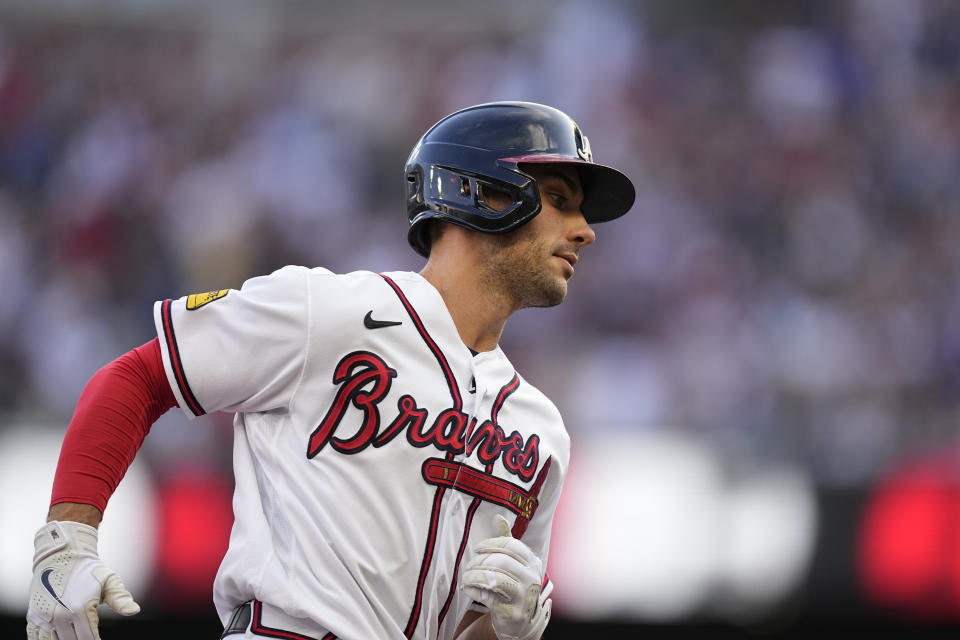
<point>786,287</point>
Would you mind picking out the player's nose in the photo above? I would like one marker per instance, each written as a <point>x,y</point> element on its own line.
<point>580,232</point>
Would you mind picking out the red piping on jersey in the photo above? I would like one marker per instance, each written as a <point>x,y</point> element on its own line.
<point>175,362</point>
<point>438,497</point>
<point>508,389</point>
<point>425,563</point>
<point>456,567</point>
<point>258,628</point>
<point>448,373</point>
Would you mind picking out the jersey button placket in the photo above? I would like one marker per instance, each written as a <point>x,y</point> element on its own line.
<point>476,411</point>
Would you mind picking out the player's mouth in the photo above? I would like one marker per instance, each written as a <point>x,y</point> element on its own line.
<point>570,258</point>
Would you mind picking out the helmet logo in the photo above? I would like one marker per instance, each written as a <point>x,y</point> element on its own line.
<point>583,145</point>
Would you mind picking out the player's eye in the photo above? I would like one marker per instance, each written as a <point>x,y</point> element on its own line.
<point>558,199</point>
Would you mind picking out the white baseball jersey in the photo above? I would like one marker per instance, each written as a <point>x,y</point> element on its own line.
<point>372,447</point>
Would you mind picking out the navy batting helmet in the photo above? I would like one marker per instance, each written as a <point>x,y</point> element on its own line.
<point>486,146</point>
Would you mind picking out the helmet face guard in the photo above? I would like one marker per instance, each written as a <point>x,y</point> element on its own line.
<point>486,147</point>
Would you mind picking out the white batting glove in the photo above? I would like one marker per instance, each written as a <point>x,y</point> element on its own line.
<point>69,581</point>
<point>506,576</point>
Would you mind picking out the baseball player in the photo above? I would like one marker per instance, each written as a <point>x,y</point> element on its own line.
<point>395,476</point>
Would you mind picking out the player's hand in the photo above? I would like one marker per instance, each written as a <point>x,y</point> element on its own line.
<point>69,581</point>
<point>506,577</point>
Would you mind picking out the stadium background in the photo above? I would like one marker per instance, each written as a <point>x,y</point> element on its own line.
<point>759,366</point>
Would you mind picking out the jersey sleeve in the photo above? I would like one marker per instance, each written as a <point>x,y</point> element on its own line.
<point>237,349</point>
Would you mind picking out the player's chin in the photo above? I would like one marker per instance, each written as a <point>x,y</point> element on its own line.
<point>552,293</point>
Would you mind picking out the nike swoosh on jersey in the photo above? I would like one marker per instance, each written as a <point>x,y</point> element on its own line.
<point>370,323</point>
<point>45,581</point>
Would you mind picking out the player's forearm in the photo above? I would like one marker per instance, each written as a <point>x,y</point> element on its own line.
<point>479,629</point>
<point>75,512</point>
<point>113,416</point>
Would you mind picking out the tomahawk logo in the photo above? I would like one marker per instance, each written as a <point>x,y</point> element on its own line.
<point>45,581</point>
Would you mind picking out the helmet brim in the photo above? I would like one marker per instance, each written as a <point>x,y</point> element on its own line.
<point>607,192</point>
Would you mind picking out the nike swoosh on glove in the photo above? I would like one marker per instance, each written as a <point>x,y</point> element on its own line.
<point>69,581</point>
<point>506,577</point>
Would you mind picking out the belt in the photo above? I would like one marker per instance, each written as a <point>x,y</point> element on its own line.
<point>249,616</point>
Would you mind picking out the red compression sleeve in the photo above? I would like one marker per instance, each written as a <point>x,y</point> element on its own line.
<point>113,416</point>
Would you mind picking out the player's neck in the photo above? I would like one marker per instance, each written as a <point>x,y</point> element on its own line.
<point>478,312</point>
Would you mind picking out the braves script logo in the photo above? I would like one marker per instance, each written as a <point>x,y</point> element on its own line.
<point>364,379</point>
